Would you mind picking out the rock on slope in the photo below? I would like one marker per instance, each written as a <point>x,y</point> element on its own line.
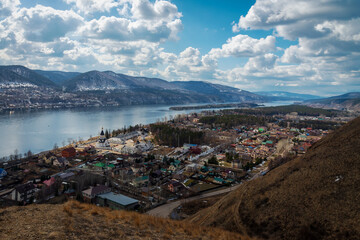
<point>74,220</point>
<point>313,197</point>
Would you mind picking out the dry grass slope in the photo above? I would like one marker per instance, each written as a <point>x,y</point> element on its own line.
<point>313,197</point>
<point>75,220</point>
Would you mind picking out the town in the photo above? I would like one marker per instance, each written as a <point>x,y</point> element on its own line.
<point>144,166</point>
<point>26,97</point>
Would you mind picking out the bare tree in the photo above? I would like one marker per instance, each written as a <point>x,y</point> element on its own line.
<point>16,154</point>
<point>29,153</point>
<point>55,147</point>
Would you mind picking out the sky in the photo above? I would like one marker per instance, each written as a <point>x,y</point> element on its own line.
<point>302,46</point>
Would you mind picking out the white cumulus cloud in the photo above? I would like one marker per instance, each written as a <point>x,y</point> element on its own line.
<point>244,46</point>
<point>89,6</point>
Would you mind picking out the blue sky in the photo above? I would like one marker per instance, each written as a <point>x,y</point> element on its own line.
<point>303,46</point>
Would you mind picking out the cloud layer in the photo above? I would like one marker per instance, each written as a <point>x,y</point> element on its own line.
<point>74,39</point>
<point>127,36</point>
<point>328,38</point>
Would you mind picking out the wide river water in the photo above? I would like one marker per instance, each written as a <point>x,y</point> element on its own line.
<point>41,130</point>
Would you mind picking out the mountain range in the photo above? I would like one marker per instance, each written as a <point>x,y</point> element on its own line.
<point>133,90</point>
<point>130,90</point>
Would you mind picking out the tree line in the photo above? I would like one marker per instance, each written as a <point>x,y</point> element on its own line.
<point>232,120</point>
<point>315,124</point>
<point>176,137</point>
<point>300,109</point>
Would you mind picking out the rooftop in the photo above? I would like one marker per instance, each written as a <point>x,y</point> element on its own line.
<point>118,198</point>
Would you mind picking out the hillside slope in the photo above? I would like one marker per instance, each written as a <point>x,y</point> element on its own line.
<point>350,101</point>
<point>313,197</point>
<point>58,77</point>
<point>21,74</point>
<point>75,220</point>
<point>285,96</point>
<point>223,92</point>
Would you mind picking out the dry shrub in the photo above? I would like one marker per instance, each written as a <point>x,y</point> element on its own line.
<point>120,234</point>
<point>118,215</point>
<point>75,204</point>
<point>136,220</point>
<point>68,224</point>
<point>67,208</point>
<point>95,211</point>
<point>168,229</point>
<point>55,235</point>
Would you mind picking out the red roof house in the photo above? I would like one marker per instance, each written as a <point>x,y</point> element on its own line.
<point>68,152</point>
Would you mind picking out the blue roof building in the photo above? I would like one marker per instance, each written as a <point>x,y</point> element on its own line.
<point>3,173</point>
<point>116,201</point>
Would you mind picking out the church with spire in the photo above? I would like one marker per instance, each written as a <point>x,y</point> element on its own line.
<point>102,141</point>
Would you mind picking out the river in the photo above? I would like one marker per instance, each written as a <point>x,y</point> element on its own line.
<point>41,130</point>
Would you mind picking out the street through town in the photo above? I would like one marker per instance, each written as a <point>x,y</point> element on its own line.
<point>165,210</point>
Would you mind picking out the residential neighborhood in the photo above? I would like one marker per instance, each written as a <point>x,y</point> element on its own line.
<point>144,166</point>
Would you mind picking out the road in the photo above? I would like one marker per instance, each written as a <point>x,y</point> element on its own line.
<point>165,210</point>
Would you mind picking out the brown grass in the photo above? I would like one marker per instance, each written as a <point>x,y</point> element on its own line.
<point>75,220</point>
<point>69,210</point>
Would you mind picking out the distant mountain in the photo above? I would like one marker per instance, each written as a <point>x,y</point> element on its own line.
<point>205,87</point>
<point>108,80</point>
<point>193,91</point>
<point>226,93</point>
<point>58,77</point>
<point>350,101</point>
<point>10,78</point>
<point>14,75</point>
<point>281,95</point>
<point>315,196</point>
<point>124,89</point>
<point>337,99</point>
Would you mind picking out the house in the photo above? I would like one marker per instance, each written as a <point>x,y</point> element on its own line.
<point>90,193</point>
<point>172,168</point>
<point>49,182</point>
<point>61,162</point>
<point>195,120</point>
<point>68,152</point>
<point>269,143</point>
<point>195,150</point>
<point>66,175</point>
<point>175,186</point>
<point>101,165</point>
<point>192,167</point>
<point>187,146</point>
<point>143,180</point>
<point>3,173</point>
<point>218,180</point>
<point>49,160</point>
<point>116,201</point>
<point>23,193</point>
